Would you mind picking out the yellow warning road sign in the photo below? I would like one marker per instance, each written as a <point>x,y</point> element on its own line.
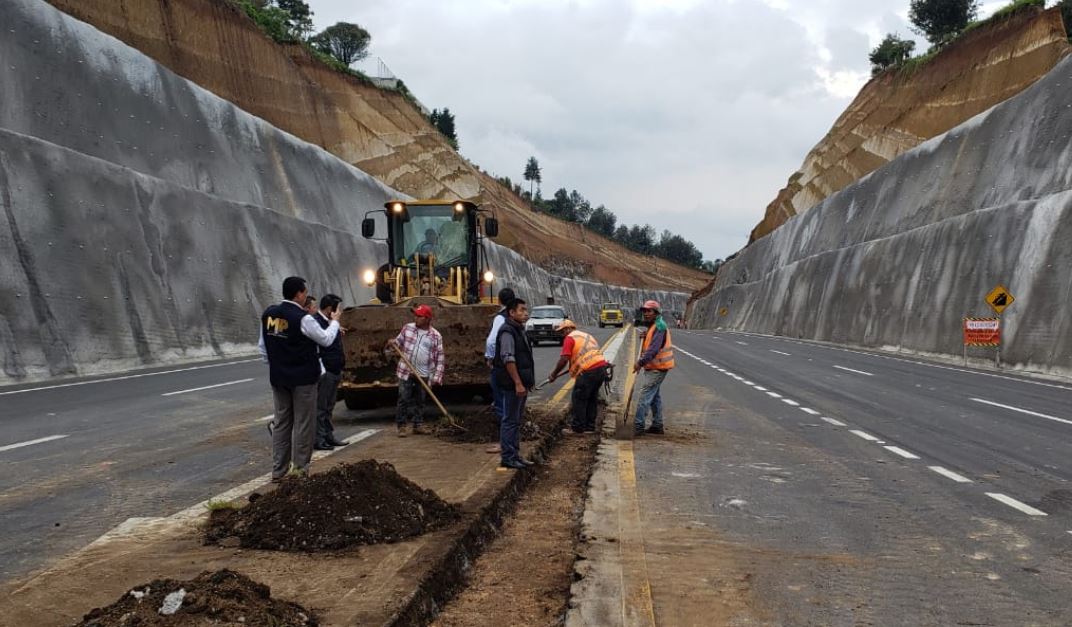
<point>999,298</point>
<point>723,311</point>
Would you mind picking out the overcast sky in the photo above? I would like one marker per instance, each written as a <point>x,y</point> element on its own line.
<point>689,115</point>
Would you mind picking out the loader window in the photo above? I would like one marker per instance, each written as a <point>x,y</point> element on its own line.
<point>433,230</point>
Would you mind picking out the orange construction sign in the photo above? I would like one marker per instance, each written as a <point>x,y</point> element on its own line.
<point>982,331</point>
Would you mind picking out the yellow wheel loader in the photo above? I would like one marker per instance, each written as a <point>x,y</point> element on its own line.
<point>436,257</point>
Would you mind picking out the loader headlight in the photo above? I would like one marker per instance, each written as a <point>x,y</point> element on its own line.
<point>397,207</point>
<point>370,277</point>
<point>489,277</point>
<point>459,207</point>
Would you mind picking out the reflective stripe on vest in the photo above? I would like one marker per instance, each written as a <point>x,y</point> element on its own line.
<point>664,359</point>
<point>585,354</point>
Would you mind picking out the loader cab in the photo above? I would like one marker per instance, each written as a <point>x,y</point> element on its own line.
<point>435,249</point>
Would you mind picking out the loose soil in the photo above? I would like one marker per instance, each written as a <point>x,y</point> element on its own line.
<point>223,597</point>
<point>481,427</point>
<point>353,504</point>
<point>525,575</point>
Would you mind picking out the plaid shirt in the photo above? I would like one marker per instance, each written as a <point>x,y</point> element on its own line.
<point>407,342</point>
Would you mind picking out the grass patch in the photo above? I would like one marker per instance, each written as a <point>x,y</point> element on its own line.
<point>219,505</point>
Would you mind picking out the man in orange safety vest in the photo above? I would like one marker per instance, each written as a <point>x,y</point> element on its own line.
<point>588,366</point>
<point>656,360</point>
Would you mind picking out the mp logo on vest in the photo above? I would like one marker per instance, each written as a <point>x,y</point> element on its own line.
<point>276,326</point>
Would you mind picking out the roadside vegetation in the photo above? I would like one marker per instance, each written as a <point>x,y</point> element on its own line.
<point>942,22</point>
<point>571,206</point>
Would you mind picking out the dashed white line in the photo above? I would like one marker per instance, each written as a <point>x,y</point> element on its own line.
<point>780,352</point>
<point>31,442</point>
<point>206,387</point>
<point>761,388</point>
<point>125,377</point>
<point>1022,411</point>
<point>949,474</point>
<point>809,410</point>
<point>866,374</point>
<point>789,401</point>
<point>864,435</point>
<point>747,382</point>
<point>1013,503</point>
<point>836,423</point>
<point>900,451</point>
<point>774,395</point>
<point>743,343</point>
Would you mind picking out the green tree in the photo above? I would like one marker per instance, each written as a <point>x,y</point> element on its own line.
<point>300,22</point>
<point>345,41</point>
<point>939,20</point>
<point>891,52</point>
<point>271,19</point>
<point>641,239</point>
<point>621,235</point>
<point>602,221</point>
<point>444,123</point>
<point>711,266</point>
<point>532,173</point>
<point>678,249</point>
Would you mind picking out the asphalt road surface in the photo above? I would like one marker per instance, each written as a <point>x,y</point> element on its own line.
<point>800,483</point>
<point>79,457</point>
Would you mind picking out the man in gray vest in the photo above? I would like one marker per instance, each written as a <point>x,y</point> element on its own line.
<point>289,340</point>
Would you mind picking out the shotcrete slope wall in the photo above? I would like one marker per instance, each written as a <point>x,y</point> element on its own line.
<point>898,258</point>
<point>146,221</point>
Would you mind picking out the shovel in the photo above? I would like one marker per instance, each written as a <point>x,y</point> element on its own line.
<point>427,388</point>
<point>541,385</point>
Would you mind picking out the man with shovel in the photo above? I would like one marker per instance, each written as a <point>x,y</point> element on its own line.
<point>422,346</point>
<point>580,351</point>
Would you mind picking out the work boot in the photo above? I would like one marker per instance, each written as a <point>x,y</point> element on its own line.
<point>402,431</point>
<point>323,446</point>
<point>655,430</point>
<point>637,432</point>
<point>419,430</point>
<point>336,442</point>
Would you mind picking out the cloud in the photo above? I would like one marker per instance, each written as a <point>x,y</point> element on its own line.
<point>685,114</point>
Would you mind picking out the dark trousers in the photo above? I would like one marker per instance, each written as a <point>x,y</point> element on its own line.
<point>498,395</point>
<point>510,427</point>
<point>326,395</point>
<point>585,398</point>
<point>411,399</point>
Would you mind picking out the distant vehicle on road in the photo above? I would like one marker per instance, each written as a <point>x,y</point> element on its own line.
<point>541,324</point>
<point>610,314</point>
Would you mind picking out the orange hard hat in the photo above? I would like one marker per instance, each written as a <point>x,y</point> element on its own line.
<point>565,324</point>
<point>652,304</point>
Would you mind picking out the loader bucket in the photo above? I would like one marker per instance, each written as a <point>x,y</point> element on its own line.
<point>369,377</point>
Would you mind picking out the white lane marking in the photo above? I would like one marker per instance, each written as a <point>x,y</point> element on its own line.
<point>774,395</point>
<point>866,374</point>
<point>206,387</point>
<point>780,353</point>
<point>743,343</point>
<point>761,388</point>
<point>908,361</point>
<point>31,442</point>
<point>789,401</point>
<point>949,474</point>
<point>1013,503</point>
<point>900,451</point>
<point>836,423</point>
<point>864,435</point>
<point>124,378</point>
<point>747,382</point>
<point>266,418</point>
<point>809,410</point>
<point>1022,411</point>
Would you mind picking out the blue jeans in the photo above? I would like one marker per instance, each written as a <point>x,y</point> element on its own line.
<point>510,427</point>
<point>498,396</point>
<point>650,381</point>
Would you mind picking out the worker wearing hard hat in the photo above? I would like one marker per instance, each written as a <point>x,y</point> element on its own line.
<point>656,359</point>
<point>580,351</point>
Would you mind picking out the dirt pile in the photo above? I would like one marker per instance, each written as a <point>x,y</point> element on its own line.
<point>223,597</point>
<point>353,504</point>
<point>214,44</point>
<point>482,427</point>
<point>899,110</point>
